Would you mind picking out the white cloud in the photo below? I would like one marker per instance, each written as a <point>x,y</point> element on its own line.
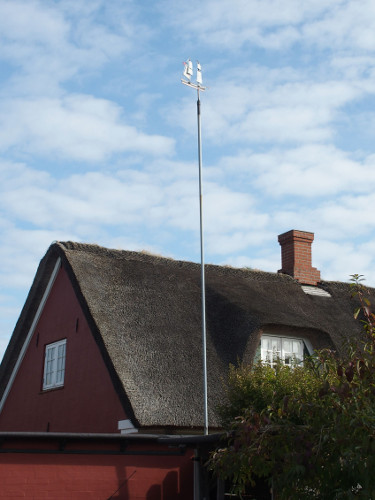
<point>341,260</point>
<point>164,196</point>
<point>49,44</point>
<point>350,26</point>
<point>21,254</point>
<point>276,25</point>
<point>308,171</point>
<point>78,127</point>
<point>93,198</point>
<point>268,106</point>
<point>347,217</point>
<point>31,22</point>
<point>234,23</point>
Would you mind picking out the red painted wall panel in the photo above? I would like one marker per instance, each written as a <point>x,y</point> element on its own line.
<point>99,477</point>
<point>88,401</point>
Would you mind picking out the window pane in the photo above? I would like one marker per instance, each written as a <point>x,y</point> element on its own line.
<point>50,360</point>
<point>270,349</point>
<point>276,345</point>
<point>287,345</point>
<point>60,365</point>
<point>297,347</point>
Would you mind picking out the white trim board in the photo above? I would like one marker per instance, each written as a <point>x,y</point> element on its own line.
<point>30,333</point>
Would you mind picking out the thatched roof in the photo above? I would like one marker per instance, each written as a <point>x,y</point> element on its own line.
<point>145,314</point>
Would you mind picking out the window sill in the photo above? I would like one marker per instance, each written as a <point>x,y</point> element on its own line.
<point>51,389</point>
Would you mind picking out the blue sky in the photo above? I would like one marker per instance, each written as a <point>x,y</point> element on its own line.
<point>98,139</point>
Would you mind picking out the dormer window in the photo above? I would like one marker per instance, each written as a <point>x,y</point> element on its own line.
<point>54,365</point>
<point>289,350</point>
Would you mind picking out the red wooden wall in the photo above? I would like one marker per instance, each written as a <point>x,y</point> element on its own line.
<point>88,401</point>
<point>93,476</point>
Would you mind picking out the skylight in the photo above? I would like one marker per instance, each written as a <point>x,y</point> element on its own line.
<point>314,290</point>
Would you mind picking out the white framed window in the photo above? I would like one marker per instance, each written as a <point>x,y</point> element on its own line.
<point>54,365</point>
<point>290,351</point>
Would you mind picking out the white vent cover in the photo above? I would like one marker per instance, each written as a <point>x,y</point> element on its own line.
<point>126,427</point>
<point>314,290</point>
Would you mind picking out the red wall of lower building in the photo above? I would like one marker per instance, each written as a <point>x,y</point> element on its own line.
<point>102,477</point>
<point>88,401</point>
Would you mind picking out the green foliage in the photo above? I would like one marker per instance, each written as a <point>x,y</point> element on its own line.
<point>309,430</point>
<point>264,387</point>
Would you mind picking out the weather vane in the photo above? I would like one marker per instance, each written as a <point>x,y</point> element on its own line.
<point>188,73</point>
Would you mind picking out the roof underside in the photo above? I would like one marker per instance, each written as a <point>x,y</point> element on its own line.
<point>145,313</point>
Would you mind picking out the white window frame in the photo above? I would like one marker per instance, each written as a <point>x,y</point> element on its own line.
<point>290,355</point>
<point>54,365</point>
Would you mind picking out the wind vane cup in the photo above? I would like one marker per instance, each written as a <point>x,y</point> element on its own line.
<point>188,73</point>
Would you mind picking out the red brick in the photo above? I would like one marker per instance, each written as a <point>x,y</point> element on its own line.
<point>296,256</point>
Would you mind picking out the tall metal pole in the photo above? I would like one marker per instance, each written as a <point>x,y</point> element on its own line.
<point>203,285</point>
<point>188,73</point>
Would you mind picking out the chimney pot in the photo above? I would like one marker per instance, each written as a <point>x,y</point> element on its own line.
<point>296,256</point>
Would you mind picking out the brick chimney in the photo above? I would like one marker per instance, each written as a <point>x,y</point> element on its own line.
<point>296,256</point>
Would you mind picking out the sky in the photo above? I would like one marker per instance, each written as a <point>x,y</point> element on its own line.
<point>98,137</point>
